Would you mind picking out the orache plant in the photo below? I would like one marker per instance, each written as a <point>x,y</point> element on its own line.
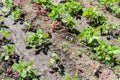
<point>9,3</point>
<point>54,59</point>
<point>68,77</point>
<point>108,2</point>
<point>105,52</point>
<point>57,11</point>
<point>90,12</point>
<point>36,38</point>
<point>95,16</point>
<point>106,27</point>
<point>9,50</point>
<point>72,7</point>
<point>23,70</point>
<point>69,21</point>
<point>16,13</point>
<point>65,12</point>
<point>89,34</point>
<point>45,2</point>
<point>5,32</point>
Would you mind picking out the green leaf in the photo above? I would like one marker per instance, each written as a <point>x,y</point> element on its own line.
<point>45,35</point>
<point>99,56</point>
<point>23,73</point>
<point>5,47</point>
<point>1,18</point>
<point>31,63</point>
<point>15,66</point>
<point>108,57</point>
<point>11,47</point>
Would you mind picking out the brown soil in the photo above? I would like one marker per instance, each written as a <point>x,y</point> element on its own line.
<point>73,56</point>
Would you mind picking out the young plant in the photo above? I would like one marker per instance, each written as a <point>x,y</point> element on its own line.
<point>69,21</point>
<point>9,3</point>
<point>106,27</point>
<point>1,18</point>
<point>36,38</point>
<point>89,34</point>
<point>54,59</point>
<point>68,77</point>
<point>94,16</point>
<point>45,2</point>
<point>5,32</point>
<point>108,2</point>
<point>116,10</point>
<point>16,13</point>
<point>23,70</point>
<point>90,12</point>
<point>57,11</point>
<point>9,50</point>
<point>65,12</point>
<point>72,7</point>
<point>105,53</point>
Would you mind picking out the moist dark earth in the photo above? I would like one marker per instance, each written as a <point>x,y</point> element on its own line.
<point>73,55</point>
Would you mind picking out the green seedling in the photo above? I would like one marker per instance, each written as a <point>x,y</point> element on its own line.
<point>65,12</point>
<point>9,3</point>
<point>16,13</point>
<point>72,7</point>
<point>116,9</point>
<point>57,11</point>
<point>24,70</point>
<point>105,52</point>
<point>94,15</point>
<point>68,77</point>
<point>108,2</point>
<point>119,38</point>
<point>90,12</point>
<point>9,50</point>
<point>28,24</point>
<point>1,18</point>
<point>36,38</point>
<point>45,2</point>
<point>5,32</point>
<point>106,27</point>
<point>69,21</point>
<point>89,34</point>
<point>54,59</point>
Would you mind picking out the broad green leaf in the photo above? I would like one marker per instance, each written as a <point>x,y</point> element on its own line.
<point>108,57</point>
<point>23,73</point>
